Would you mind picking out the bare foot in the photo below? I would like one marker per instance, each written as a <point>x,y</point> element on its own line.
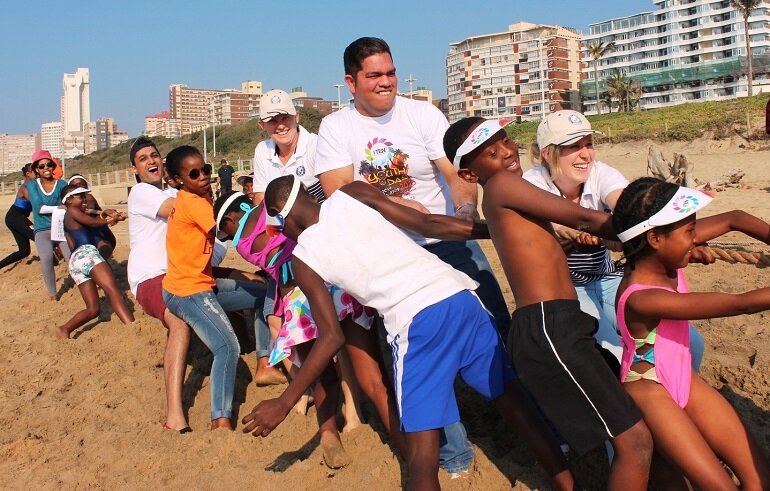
<point>221,424</point>
<point>269,376</point>
<point>352,420</point>
<point>55,298</point>
<point>335,457</point>
<point>61,333</point>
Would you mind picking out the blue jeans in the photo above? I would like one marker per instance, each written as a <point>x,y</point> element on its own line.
<point>456,452</point>
<point>202,312</point>
<point>597,299</point>
<point>234,295</point>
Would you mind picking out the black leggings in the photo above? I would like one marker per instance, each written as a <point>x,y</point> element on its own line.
<point>17,222</point>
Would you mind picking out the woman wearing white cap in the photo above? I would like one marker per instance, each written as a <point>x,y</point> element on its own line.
<point>566,165</point>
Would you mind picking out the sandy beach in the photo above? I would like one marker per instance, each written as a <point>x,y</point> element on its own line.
<point>87,413</point>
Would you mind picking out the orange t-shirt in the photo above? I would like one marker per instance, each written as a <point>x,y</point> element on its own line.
<point>189,244</point>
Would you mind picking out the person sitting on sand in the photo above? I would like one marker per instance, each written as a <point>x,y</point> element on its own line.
<point>105,238</point>
<point>87,267</point>
<point>694,427</point>
<point>437,327</point>
<point>550,342</point>
<point>269,249</point>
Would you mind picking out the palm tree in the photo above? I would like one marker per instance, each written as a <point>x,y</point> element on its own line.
<point>745,7</point>
<point>626,91</point>
<point>596,51</point>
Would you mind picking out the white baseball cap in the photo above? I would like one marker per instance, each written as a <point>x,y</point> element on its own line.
<point>563,127</point>
<point>275,102</point>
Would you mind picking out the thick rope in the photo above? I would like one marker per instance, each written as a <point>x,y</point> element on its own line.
<point>759,259</point>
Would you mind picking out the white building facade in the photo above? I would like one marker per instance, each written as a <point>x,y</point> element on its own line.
<point>75,103</point>
<point>52,138</point>
<point>686,50</point>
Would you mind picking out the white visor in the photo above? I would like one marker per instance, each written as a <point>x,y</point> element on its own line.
<point>684,203</point>
<point>73,193</point>
<point>478,136</point>
<point>221,235</point>
<point>273,220</point>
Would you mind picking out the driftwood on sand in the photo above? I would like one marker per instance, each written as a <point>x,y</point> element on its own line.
<point>681,172</point>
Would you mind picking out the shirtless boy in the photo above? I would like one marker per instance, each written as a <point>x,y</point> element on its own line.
<point>550,341</point>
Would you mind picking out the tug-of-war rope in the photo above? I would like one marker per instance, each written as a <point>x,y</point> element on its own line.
<point>730,252</point>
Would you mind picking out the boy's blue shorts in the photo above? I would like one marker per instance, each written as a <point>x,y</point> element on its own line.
<point>456,335</point>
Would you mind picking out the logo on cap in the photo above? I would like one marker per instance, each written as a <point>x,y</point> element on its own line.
<point>479,134</point>
<point>685,203</point>
<point>574,119</point>
<point>275,99</point>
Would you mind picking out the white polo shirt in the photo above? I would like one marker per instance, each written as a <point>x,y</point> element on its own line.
<point>268,166</point>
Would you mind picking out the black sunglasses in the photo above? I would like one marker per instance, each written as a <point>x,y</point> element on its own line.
<point>196,173</point>
<point>50,165</point>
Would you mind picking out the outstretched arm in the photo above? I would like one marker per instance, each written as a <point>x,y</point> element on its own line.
<point>464,194</point>
<point>270,413</point>
<point>663,304</point>
<point>509,191</point>
<point>87,220</point>
<point>732,221</point>
<point>430,225</point>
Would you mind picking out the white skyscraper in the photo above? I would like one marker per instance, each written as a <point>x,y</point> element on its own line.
<point>75,103</point>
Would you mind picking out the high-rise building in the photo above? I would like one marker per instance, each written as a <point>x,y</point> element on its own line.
<point>52,138</point>
<point>75,103</point>
<point>15,151</point>
<point>522,73</point>
<point>102,134</point>
<point>195,108</point>
<point>686,50</point>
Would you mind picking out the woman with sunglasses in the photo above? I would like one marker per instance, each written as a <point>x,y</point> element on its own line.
<point>188,288</point>
<point>17,221</point>
<point>44,194</point>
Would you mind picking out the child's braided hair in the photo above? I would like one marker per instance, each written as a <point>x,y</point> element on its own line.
<point>638,202</point>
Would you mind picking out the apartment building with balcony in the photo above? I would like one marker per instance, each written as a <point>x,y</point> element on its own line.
<point>686,50</point>
<point>195,108</point>
<point>522,73</point>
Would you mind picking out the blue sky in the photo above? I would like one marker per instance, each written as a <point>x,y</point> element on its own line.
<point>136,49</point>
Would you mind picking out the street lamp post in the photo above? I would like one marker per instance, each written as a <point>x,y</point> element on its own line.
<point>339,97</point>
<point>411,80</point>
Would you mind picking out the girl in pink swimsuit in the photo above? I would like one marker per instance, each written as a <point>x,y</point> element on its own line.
<point>692,425</point>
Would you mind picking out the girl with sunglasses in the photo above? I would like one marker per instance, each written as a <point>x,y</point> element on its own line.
<point>44,195</point>
<point>188,288</point>
<point>692,425</point>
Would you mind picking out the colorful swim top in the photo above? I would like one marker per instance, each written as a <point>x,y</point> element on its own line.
<point>279,267</point>
<point>23,204</point>
<point>670,350</point>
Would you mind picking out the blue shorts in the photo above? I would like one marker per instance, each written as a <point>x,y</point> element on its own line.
<point>456,335</point>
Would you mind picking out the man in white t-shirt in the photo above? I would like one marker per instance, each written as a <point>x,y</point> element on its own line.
<point>289,148</point>
<point>396,144</point>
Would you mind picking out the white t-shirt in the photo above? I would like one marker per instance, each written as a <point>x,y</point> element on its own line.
<point>146,233</point>
<point>267,166</point>
<point>357,249</point>
<point>602,180</point>
<point>392,152</point>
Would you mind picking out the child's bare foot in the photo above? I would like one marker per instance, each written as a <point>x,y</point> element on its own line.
<point>221,423</point>
<point>61,333</point>
<point>268,376</point>
<point>335,457</point>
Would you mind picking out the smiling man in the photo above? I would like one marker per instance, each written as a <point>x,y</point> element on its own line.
<point>395,144</point>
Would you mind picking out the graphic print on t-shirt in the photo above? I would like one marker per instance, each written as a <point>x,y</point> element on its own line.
<point>386,168</point>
